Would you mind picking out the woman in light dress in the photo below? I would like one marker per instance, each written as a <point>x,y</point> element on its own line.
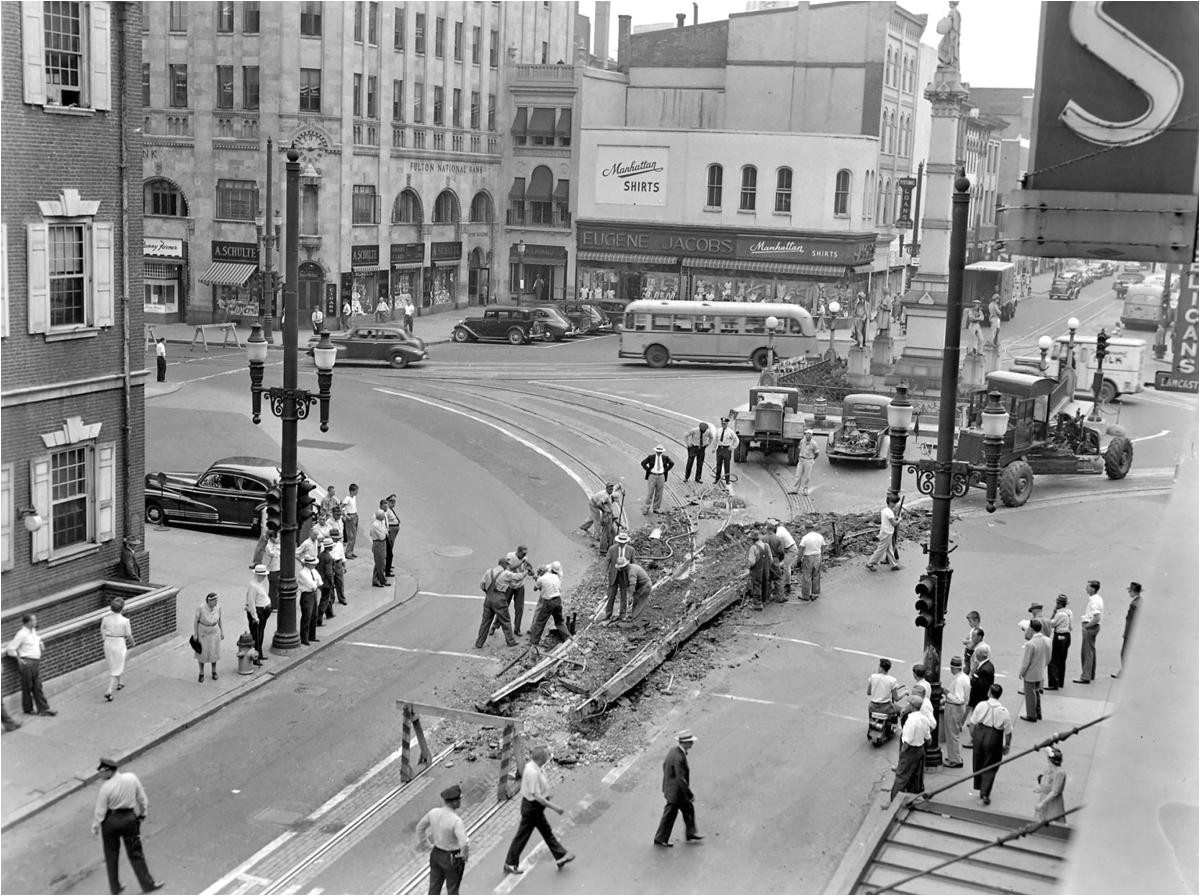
<point>209,633</point>
<point>117,634</point>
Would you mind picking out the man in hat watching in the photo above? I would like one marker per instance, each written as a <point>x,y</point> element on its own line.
<point>725,440</point>
<point>443,830</point>
<point>535,800</point>
<point>954,712</point>
<point>392,518</point>
<point>258,609</point>
<point>804,466</point>
<point>378,533</point>
<point>677,790</point>
<point>697,440</point>
<point>308,584</point>
<point>121,808</point>
<point>549,605</point>
<point>1034,660</point>
<point>656,467</point>
<point>1093,612</point>
<point>1035,612</point>
<point>620,555</point>
<point>1135,600</point>
<point>325,566</point>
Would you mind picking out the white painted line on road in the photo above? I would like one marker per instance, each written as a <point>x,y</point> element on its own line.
<point>512,435</point>
<point>823,647</point>
<point>239,873</point>
<point>833,715</point>
<point>621,768</point>
<point>469,656</point>
<point>1146,438</point>
<point>458,596</point>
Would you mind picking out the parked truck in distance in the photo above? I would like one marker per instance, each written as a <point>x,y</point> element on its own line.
<point>983,279</point>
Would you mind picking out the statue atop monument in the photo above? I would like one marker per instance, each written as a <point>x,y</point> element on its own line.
<point>950,27</point>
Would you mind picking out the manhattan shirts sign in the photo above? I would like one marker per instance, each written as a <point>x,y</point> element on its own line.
<point>632,175</point>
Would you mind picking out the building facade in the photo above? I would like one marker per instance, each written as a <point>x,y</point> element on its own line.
<point>398,110</point>
<point>72,457</point>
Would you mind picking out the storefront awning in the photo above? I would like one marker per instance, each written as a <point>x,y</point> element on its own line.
<point>518,125</point>
<point>562,191</point>
<point>564,123</point>
<point>227,273</point>
<point>541,122</point>
<point>626,258</point>
<point>541,185</point>
<point>517,193</point>
<point>766,267</point>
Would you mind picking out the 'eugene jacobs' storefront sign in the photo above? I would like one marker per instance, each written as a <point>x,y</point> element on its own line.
<point>791,248</point>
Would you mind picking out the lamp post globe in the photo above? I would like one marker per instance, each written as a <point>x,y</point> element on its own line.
<point>899,417</point>
<point>834,308</point>
<point>1044,345</point>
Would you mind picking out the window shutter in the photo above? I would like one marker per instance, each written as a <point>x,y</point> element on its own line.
<point>31,45</point>
<point>39,493</point>
<point>6,517</point>
<point>102,274</point>
<point>106,489</point>
<point>101,57</point>
<point>37,245</point>
<point>4,281</point>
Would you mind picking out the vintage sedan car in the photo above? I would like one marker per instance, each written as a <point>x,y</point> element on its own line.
<point>1064,288</point>
<point>555,324</point>
<point>862,436</point>
<point>511,323</point>
<point>383,344</point>
<point>586,317</point>
<point>230,493</point>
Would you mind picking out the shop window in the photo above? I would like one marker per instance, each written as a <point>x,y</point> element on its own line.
<point>237,200</point>
<point>310,90</point>
<point>161,197</point>
<point>783,190</point>
<point>841,193</point>
<point>160,297</point>
<point>749,193</point>
<point>661,322</point>
<point>364,204</point>
<point>716,175</point>
<point>445,208</point>
<point>407,208</point>
<point>310,19</point>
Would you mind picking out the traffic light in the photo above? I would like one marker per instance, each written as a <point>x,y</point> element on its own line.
<point>926,601</point>
<point>306,503</point>
<point>274,509</point>
<point>1101,345</point>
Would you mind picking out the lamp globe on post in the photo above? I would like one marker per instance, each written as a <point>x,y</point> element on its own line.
<point>834,308</point>
<point>324,357</point>
<point>899,416</point>
<point>995,425</point>
<point>1072,326</point>
<point>1044,345</point>
<point>772,323</point>
<point>256,354</point>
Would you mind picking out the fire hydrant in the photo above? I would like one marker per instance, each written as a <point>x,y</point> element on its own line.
<point>246,654</point>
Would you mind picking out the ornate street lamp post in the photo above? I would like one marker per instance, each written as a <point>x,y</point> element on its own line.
<point>291,405</point>
<point>834,308</point>
<point>520,270</point>
<point>1044,345</point>
<point>899,415</point>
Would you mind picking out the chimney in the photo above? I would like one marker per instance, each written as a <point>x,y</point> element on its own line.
<point>624,50</point>
<point>603,20</point>
<point>695,13</point>
<point>680,19</point>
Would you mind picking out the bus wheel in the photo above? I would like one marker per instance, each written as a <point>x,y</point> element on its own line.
<point>759,359</point>
<point>658,356</point>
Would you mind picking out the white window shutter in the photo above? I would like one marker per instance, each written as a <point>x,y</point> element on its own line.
<point>101,57</point>
<point>34,53</point>
<point>39,493</point>
<point>106,489</point>
<point>37,246</point>
<point>4,281</point>
<point>102,274</point>
<point>6,517</point>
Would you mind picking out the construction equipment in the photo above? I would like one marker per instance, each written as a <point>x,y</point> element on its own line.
<point>770,421</point>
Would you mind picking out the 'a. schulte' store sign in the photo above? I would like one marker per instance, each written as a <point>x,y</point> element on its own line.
<point>632,175</point>
<point>792,248</point>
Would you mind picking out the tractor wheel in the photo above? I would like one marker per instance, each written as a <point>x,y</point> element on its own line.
<point>1118,458</point>
<point>793,454</point>
<point>742,451</point>
<point>1016,483</point>
<point>760,358</point>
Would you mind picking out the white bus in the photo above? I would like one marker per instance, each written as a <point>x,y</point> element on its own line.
<point>660,332</point>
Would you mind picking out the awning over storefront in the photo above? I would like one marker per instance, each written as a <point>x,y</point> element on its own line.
<point>517,193</point>
<point>562,191</point>
<point>227,273</point>
<point>519,122</point>
<point>161,270</point>
<point>564,123</point>
<point>626,258</point>
<point>535,253</point>
<point>541,185</point>
<point>766,267</point>
<point>541,122</point>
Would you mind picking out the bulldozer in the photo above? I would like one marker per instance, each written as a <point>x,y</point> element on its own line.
<point>1044,437</point>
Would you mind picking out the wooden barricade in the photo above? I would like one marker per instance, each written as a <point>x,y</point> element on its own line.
<point>411,722</point>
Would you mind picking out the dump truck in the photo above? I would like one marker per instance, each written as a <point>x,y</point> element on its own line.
<point>771,421</point>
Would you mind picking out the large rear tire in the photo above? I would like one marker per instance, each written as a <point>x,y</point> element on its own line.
<point>657,356</point>
<point>399,360</point>
<point>1108,391</point>
<point>1016,483</point>
<point>760,359</point>
<point>793,454</point>
<point>516,336</point>
<point>742,451</point>
<point>1118,458</point>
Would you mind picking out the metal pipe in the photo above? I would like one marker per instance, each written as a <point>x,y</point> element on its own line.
<point>267,294</point>
<point>126,359</point>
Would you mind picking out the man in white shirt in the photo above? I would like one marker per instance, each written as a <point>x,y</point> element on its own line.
<point>991,738</point>
<point>725,440</point>
<point>308,583</point>
<point>258,608</point>
<point>910,770</point>
<point>881,690</point>
<point>160,359</point>
<point>1090,623</point>
<point>954,712</point>
<point>26,648</point>
<point>994,319</point>
<point>350,519</point>
<point>811,546</point>
<point>121,807</point>
<point>318,321</point>
<point>392,518</point>
<point>535,800</point>
<point>791,553</point>
<point>271,561</point>
<point>443,830</point>
<point>549,605</point>
<point>697,441</point>
<point>804,467</point>
<point>656,466</point>
<point>598,503</point>
<point>885,549</point>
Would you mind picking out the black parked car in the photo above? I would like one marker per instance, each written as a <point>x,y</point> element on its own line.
<point>511,323</point>
<point>586,317</point>
<point>389,345</point>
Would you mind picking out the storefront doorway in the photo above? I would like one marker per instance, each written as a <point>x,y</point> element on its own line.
<point>478,275</point>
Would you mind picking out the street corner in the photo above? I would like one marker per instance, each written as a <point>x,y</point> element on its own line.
<point>404,588</point>
<point>158,390</point>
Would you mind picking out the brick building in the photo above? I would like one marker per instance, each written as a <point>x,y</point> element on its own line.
<point>401,114</point>
<point>73,379</point>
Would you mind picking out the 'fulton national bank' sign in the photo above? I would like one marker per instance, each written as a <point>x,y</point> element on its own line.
<point>632,175</point>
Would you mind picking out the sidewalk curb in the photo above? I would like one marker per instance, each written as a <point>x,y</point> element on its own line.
<point>78,783</point>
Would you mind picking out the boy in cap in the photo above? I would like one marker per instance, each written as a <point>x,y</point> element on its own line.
<point>656,467</point>
<point>121,807</point>
<point>443,830</point>
<point>677,790</point>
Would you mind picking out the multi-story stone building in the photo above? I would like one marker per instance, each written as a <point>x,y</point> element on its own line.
<point>399,111</point>
<point>72,459</point>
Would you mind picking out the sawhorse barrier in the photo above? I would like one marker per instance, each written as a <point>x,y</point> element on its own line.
<point>412,723</point>
<point>226,329</point>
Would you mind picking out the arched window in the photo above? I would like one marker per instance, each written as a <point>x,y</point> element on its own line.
<point>905,134</point>
<point>445,208</point>
<point>540,195</point>
<point>783,190</point>
<point>749,188</point>
<point>716,178</point>
<point>886,205</point>
<point>905,86</point>
<point>161,197</point>
<point>841,193</point>
<point>883,131</point>
<point>897,201</point>
<point>879,194</point>
<point>407,208</point>
<point>866,197</point>
<point>892,129</point>
<point>481,209</point>
<point>890,71</point>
